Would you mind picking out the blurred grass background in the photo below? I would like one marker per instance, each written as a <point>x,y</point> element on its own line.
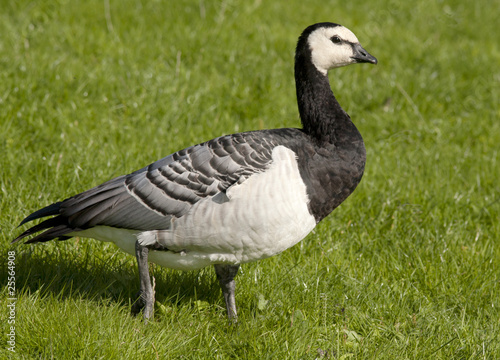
<point>407,268</point>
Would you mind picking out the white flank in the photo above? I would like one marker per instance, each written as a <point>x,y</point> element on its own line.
<point>125,239</point>
<point>258,218</point>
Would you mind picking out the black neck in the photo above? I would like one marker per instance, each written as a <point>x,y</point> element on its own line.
<point>321,114</point>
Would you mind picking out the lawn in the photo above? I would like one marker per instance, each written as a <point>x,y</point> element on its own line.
<point>407,268</point>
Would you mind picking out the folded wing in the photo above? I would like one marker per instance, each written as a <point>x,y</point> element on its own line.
<point>149,198</point>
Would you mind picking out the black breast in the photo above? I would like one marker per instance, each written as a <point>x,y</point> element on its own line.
<point>331,171</point>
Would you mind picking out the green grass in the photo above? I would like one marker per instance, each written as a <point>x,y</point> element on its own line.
<point>407,268</point>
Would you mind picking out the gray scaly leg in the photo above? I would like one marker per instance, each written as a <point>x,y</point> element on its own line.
<point>225,275</point>
<point>146,295</point>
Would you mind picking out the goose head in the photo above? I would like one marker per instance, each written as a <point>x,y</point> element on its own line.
<point>333,45</point>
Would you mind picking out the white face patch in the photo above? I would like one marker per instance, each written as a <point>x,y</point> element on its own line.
<point>326,55</point>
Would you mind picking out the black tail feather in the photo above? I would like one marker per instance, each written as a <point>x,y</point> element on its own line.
<point>56,227</point>
<point>46,211</point>
<point>56,232</point>
<point>47,224</point>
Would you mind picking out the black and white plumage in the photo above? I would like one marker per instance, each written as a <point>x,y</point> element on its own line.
<point>234,199</point>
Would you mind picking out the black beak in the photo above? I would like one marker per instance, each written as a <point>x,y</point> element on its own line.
<point>361,55</point>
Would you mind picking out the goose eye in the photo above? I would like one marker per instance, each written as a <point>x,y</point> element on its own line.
<point>336,40</point>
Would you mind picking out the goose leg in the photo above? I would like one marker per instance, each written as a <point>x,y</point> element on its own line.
<point>146,295</point>
<point>225,275</point>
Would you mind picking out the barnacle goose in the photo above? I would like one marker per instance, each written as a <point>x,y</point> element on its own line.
<point>234,199</point>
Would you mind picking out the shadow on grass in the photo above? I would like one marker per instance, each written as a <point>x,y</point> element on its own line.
<point>85,270</point>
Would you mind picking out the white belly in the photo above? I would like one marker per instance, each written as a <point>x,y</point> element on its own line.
<point>257,218</point>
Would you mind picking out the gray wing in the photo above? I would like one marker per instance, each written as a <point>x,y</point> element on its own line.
<point>149,198</point>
